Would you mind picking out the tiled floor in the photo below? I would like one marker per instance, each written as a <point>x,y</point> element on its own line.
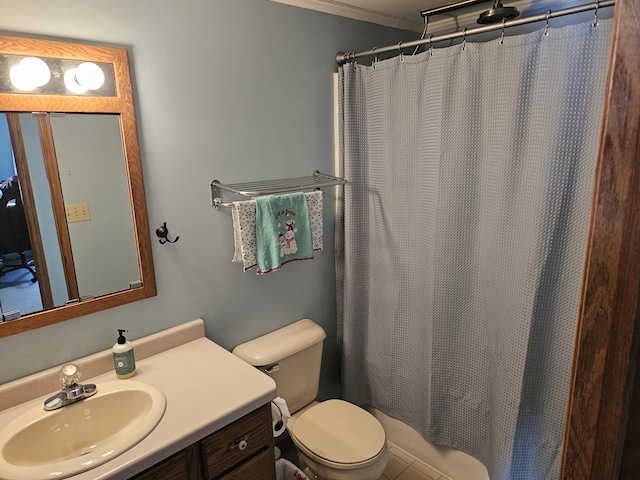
<point>401,465</point>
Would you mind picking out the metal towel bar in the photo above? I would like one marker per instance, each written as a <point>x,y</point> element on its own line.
<point>268,187</point>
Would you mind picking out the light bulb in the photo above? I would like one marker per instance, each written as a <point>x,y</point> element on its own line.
<point>30,73</point>
<point>89,75</point>
<point>70,82</point>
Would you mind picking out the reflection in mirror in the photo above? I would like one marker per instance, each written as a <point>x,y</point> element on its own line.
<point>20,291</point>
<point>72,184</point>
<point>102,251</point>
<point>93,176</point>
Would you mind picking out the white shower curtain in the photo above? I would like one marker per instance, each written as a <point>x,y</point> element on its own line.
<point>462,238</point>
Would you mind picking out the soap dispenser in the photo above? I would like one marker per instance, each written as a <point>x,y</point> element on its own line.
<point>123,359</point>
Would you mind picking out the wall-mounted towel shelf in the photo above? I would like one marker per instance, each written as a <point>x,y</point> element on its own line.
<point>268,187</point>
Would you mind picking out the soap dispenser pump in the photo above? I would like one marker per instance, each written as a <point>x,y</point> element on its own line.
<point>123,359</point>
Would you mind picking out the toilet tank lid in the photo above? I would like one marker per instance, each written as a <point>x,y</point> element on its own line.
<point>280,344</point>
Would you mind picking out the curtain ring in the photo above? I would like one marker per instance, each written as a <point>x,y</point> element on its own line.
<point>430,46</point>
<point>400,50</point>
<point>546,27</point>
<point>502,34</point>
<point>375,58</point>
<point>595,15</point>
<point>464,39</point>
<point>352,59</point>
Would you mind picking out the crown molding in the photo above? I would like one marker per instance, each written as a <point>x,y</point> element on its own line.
<point>438,23</point>
<point>357,13</point>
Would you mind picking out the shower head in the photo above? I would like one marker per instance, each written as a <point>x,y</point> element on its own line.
<point>498,13</point>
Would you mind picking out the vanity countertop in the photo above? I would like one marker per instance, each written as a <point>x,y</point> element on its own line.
<point>206,388</point>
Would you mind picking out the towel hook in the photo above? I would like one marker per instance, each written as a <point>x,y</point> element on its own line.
<point>163,234</point>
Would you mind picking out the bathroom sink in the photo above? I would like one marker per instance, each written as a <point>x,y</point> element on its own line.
<point>64,442</point>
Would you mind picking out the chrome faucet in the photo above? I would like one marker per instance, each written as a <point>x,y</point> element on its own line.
<point>72,391</point>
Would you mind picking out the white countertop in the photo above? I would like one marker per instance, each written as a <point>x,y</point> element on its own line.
<point>206,388</point>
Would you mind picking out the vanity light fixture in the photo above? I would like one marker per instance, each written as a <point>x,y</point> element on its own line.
<point>55,76</point>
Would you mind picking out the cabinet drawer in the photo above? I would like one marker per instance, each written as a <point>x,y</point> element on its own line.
<point>261,467</point>
<point>184,465</point>
<point>238,441</point>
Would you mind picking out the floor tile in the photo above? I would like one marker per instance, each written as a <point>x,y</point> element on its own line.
<point>407,457</point>
<point>395,466</point>
<point>428,470</point>
<point>413,473</point>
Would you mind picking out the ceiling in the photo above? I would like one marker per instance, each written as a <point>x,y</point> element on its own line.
<point>405,14</point>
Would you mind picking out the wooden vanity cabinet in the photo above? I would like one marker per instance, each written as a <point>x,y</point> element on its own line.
<point>184,465</point>
<point>241,450</point>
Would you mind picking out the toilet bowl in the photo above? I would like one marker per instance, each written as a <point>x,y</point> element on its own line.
<point>335,439</point>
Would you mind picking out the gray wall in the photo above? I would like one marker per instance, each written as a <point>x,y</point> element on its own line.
<point>236,90</point>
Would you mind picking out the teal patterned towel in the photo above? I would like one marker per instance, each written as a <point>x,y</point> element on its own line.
<point>283,230</point>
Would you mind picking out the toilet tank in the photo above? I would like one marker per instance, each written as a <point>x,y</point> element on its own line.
<point>291,356</point>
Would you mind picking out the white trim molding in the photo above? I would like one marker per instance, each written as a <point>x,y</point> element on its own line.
<point>395,16</point>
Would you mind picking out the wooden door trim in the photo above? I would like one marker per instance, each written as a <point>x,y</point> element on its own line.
<point>57,205</point>
<point>606,353</point>
<point>31,213</point>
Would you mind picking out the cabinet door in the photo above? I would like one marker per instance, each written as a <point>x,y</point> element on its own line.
<point>240,442</point>
<point>184,465</point>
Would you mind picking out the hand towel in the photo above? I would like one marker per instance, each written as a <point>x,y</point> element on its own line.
<point>283,231</point>
<point>244,233</point>
<point>244,228</point>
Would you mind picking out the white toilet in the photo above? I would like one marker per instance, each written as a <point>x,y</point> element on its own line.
<point>335,439</point>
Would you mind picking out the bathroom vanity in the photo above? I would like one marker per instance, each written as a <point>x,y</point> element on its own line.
<point>223,455</point>
<point>217,423</point>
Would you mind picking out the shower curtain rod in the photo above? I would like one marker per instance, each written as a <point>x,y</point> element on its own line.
<point>342,58</point>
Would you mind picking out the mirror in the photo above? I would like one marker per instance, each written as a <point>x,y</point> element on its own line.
<point>79,181</point>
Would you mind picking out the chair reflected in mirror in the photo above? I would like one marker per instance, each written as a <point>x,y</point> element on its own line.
<point>15,245</point>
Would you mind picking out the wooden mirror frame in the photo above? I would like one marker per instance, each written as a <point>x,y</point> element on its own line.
<point>122,105</point>
<point>606,353</point>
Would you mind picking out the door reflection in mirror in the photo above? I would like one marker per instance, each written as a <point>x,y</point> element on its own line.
<point>93,173</point>
<point>80,213</point>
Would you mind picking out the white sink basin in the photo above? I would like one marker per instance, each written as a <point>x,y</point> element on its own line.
<point>57,444</point>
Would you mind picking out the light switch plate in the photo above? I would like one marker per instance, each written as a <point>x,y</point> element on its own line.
<point>78,213</point>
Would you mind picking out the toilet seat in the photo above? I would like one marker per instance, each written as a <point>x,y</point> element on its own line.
<point>339,434</point>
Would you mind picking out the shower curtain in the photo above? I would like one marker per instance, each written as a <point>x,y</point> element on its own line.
<point>462,237</point>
